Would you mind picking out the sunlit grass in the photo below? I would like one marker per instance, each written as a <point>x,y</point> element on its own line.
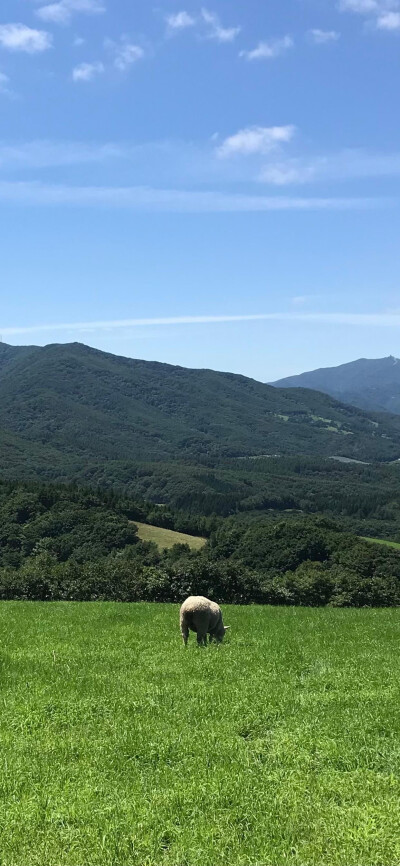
<point>166,538</point>
<point>117,746</point>
<point>384,541</point>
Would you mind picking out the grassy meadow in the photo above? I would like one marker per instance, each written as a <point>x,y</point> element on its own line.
<point>118,747</point>
<point>166,538</point>
<point>383,541</point>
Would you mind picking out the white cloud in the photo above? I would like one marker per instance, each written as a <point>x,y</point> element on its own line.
<point>221,34</point>
<point>322,37</point>
<point>255,140</point>
<point>214,30</point>
<point>261,156</point>
<point>292,171</point>
<point>62,11</point>
<point>388,21</point>
<point>54,13</point>
<point>383,14</point>
<point>344,165</point>
<point>362,7</point>
<point>87,71</point>
<point>356,319</point>
<point>19,37</point>
<point>269,50</point>
<point>126,54</point>
<point>148,199</point>
<point>180,21</point>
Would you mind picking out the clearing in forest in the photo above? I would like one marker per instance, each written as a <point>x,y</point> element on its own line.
<point>383,541</point>
<point>166,538</point>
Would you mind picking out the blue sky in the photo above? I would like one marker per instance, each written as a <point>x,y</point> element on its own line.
<point>212,186</point>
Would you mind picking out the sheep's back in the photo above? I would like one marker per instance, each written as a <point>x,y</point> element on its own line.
<point>200,611</point>
<point>196,603</point>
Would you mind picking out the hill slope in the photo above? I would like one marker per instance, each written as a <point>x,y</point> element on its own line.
<point>367,384</point>
<point>66,410</point>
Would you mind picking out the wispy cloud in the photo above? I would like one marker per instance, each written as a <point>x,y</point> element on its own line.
<point>148,199</point>
<point>387,320</point>
<point>361,7</point>
<point>287,172</point>
<point>382,14</point>
<point>254,154</point>
<point>180,21</point>
<point>19,37</point>
<point>344,165</point>
<point>366,7</point>
<point>54,13</point>
<point>48,154</point>
<point>388,21</point>
<point>4,84</point>
<point>206,20</point>
<point>216,30</point>
<point>62,11</point>
<point>323,37</point>
<point>125,53</point>
<point>255,140</point>
<point>86,72</point>
<point>299,300</point>
<point>269,50</point>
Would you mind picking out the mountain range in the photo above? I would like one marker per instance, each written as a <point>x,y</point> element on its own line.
<point>68,409</point>
<point>368,384</point>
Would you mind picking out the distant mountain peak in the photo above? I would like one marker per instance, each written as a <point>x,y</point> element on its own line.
<point>370,384</point>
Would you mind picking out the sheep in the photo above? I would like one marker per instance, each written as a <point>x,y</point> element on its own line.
<point>203,616</point>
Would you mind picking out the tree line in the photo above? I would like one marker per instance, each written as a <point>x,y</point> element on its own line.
<point>67,543</point>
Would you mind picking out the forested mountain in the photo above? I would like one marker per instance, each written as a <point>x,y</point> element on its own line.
<point>70,412</point>
<point>195,440</point>
<point>368,384</point>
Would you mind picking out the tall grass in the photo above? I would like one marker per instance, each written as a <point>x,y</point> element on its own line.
<point>118,747</point>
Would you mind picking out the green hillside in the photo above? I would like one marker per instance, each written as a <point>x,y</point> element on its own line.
<point>67,410</point>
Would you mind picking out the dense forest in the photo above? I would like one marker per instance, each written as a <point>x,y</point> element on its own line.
<point>60,543</point>
<point>366,496</point>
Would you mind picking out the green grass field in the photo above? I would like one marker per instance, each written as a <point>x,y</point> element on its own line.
<point>166,538</point>
<point>118,747</point>
<point>384,541</point>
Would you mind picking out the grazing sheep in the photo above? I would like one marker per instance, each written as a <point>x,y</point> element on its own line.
<point>203,616</point>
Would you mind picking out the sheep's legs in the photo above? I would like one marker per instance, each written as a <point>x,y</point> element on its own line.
<point>201,639</point>
<point>185,634</point>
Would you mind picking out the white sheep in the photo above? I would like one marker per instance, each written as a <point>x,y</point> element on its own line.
<point>203,616</point>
